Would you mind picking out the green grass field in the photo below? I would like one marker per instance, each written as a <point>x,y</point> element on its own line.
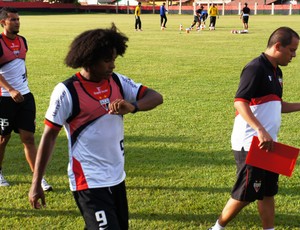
<point>179,163</point>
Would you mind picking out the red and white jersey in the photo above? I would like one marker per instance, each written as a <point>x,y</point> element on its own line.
<point>95,138</point>
<point>261,87</point>
<point>12,64</point>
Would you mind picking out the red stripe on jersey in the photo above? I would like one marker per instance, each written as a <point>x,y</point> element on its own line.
<point>240,99</point>
<point>52,125</point>
<point>81,183</point>
<point>141,92</point>
<point>259,100</point>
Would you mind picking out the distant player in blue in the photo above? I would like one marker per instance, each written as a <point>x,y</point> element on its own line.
<point>203,17</point>
<point>163,16</point>
<point>197,18</point>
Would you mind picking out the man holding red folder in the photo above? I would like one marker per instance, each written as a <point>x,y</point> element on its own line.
<point>259,105</point>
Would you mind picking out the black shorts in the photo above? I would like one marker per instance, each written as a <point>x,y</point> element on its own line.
<point>252,183</point>
<point>196,19</point>
<point>15,116</point>
<point>245,19</point>
<point>104,208</point>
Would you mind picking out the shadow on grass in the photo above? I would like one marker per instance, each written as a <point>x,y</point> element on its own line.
<point>45,212</point>
<point>183,188</point>
<point>239,221</point>
<point>169,157</point>
<point>159,139</point>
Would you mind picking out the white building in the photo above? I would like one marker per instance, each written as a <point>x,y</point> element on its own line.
<point>99,2</point>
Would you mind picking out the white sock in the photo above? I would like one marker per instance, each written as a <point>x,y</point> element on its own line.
<point>217,226</point>
<point>269,228</point>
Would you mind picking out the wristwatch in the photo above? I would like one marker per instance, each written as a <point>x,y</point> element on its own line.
<point>136,108</point>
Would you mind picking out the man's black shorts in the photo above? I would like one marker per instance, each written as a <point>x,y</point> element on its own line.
<point>15,116</point>
<point>252,183</point>
<point>245,19</point>
<point>104,208</point>
<point>196,18</point>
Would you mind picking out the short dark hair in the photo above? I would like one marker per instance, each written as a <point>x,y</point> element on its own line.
<point>94,45</point>
<point>284,35</point>
<point>5,10</point>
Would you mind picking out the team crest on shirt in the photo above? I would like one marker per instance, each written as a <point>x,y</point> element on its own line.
<point>16,52</point>
<point>257,185</point>
<point>104,103</point>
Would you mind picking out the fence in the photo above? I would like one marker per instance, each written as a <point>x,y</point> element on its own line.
<point>224,9</point>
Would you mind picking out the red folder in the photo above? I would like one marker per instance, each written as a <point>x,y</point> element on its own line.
<point>281,160</point>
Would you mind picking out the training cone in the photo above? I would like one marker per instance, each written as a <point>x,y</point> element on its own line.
<point>180,27</point>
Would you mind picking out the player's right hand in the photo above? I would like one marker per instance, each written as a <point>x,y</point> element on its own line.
<point>36,193</point>
<point>265,140</point>
<point>16,95</point>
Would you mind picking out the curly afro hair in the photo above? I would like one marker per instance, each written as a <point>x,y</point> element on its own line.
<point>94,45</point>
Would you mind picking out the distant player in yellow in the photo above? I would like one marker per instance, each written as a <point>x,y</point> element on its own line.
<point>213,13</point>
<point>137,13</point>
